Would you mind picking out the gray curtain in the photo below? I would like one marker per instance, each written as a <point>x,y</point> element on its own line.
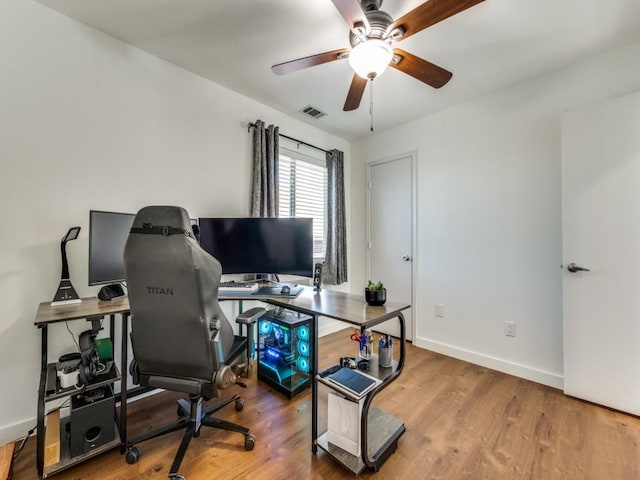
<point>264,186</point>
<point>335,263</point>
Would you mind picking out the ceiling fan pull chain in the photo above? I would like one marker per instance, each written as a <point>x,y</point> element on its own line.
<point>371,102</point>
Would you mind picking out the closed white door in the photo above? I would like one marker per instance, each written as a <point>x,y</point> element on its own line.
<point>391,213</point>
<point>601,232</point>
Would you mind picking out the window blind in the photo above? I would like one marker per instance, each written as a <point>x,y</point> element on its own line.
<point>303,189</point>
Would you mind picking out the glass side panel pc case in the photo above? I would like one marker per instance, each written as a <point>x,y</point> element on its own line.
<point>284,356</point>
<point>260,245</point>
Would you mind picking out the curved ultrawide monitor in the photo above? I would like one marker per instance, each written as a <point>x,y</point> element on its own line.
<point>260,245</point>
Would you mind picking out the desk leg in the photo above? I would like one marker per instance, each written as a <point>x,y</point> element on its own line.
<point>123,383</point>
<point>112,323</point>
<point>250,349</point>
<point>41,392</point>
<point>364,419</point>
<point>314,385</point>
<point>403,344</point>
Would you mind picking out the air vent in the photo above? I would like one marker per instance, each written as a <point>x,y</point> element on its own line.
<point>313,112</point>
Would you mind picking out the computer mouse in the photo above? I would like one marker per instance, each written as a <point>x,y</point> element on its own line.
<point>286,290</point>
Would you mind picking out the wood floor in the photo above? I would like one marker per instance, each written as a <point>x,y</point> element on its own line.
<point>463,422</point>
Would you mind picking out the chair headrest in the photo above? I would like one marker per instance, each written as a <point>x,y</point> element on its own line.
<point>163,216</point>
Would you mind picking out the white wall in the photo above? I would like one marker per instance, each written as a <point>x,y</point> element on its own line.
<point>489,215</point>
<point>88,122</point>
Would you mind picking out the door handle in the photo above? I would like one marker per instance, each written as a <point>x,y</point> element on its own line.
<point>573,268</point>
<point>406,258</point>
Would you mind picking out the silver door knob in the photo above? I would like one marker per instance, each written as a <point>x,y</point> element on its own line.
<point>406,258</point>
<point>573,268</point>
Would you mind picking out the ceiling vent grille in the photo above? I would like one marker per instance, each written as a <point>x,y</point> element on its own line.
<point>312,112</point>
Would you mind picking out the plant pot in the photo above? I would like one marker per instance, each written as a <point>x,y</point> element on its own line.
<point>375,297</point>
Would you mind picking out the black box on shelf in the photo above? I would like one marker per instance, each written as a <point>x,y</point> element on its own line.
<point>92,420</point>
<point>284,351</point>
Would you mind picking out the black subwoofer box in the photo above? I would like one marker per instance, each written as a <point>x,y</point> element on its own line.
<point>92,420</point>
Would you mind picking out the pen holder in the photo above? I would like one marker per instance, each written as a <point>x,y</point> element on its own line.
<point>385,357</point>
<point>365,350</point>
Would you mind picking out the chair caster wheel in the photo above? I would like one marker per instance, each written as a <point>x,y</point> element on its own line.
<point>181,412</point>
<point>133,455</point>
<point>239,404</point>
<point>249,442</point>
<point>178,477</point>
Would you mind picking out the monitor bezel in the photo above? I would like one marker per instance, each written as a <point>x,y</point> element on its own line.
<point>91,246</point>
<point>301,271</point>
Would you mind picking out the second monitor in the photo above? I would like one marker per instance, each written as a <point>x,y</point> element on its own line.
<point>260,245</point>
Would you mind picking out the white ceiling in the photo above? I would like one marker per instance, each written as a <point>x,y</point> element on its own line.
<point>235,42</point>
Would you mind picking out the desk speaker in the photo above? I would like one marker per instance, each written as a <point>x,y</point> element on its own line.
<point>317,276</point>
<point>92,419</point>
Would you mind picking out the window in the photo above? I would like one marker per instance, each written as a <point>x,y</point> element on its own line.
<point>303,188</point>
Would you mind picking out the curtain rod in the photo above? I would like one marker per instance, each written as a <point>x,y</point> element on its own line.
<point>295,140</point>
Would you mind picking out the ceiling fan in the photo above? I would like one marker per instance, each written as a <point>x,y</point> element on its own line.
<point>373,36</point>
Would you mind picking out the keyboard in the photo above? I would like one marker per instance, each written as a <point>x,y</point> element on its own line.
<point>237,287</point>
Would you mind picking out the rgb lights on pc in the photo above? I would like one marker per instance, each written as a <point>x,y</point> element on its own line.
<point>281,334</point>
<point>273,353</point>
<point>265,328</point>
<point>303,348</point>
<point>303,364</point>
<point>284,351</point>
<point>303,332</point>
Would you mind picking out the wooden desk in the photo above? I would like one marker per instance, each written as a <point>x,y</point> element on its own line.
<point>89,308</point>
<point>346,307</point>
<point>353,309</point>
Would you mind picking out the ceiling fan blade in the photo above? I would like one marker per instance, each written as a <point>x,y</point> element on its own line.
<point>306,62</point>
<point>353,14</point>
<point>420,69</point>
<point>429,13</point>
<point>356,90</point>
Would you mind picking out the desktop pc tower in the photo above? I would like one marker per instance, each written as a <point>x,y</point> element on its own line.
<point>284,351</point>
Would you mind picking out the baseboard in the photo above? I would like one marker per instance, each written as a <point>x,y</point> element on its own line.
<point>16,431</point>
<point>523,371</point>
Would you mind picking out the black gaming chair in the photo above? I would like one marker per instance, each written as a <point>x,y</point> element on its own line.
<point>181,339</point>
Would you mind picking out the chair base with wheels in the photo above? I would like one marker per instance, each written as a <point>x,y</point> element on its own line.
<point>192,418</point>
<point>192,414</point>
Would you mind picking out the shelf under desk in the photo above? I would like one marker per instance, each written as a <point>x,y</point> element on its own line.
<point>88,308</point>
<point>352,308</point>
<point>383,433</point>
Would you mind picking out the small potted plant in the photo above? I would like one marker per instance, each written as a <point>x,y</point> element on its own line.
<point>375,294</point>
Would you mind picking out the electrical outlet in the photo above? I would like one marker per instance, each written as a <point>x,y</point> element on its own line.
<point>438,310</point>
<point>510,329</point>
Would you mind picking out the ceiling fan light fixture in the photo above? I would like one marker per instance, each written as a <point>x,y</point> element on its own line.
<point>370,58</point>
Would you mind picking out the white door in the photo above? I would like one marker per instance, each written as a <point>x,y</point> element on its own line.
<point>601,232</point>
<point>391,213</point>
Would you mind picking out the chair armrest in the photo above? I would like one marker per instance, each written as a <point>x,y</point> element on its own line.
<point>250,317</point>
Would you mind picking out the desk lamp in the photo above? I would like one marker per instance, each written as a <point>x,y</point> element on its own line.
<point>66,294</point>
